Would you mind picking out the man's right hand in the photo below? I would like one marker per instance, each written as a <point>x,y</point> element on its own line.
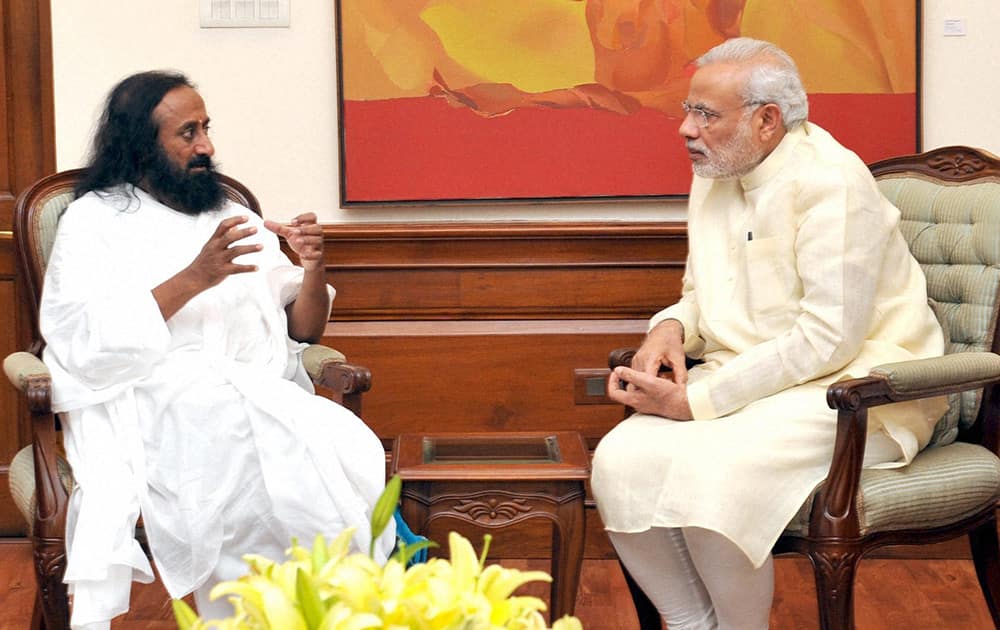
<point>663,348</point>
<point>215,261</point>
<point>213,264</point>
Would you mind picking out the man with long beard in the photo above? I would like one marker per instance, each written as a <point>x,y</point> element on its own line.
<point>797,276</point>
<point>174,327</point>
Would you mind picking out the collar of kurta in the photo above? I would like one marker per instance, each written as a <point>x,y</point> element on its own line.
<point>773,163</point>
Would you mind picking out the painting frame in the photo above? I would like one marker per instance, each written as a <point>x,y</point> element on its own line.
<point>432,149</point>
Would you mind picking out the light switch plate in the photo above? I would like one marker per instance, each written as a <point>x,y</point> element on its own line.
<point>243,13</point>
<point>954,27</point>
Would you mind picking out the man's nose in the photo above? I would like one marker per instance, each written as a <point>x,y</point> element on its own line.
<point>688,129</point>
<point>204,146</point>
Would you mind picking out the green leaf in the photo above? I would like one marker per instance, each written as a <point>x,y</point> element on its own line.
<point>186,618</point>
<point>406,552</point>
<point>310,602</point>
<point>384,508</point>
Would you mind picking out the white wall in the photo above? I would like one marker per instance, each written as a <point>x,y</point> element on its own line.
<point>272,97</point>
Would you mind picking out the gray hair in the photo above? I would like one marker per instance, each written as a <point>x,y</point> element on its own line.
<point>774,77</point>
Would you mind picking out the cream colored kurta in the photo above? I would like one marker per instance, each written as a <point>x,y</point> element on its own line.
<point>205,423</point>
<point>797,276</point>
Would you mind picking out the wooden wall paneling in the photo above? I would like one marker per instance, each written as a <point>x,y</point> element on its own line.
<point>28,122</point>
<point>504,271</point>
<point>11,432</point>
<point>27,129</point>
<point>472,327</point>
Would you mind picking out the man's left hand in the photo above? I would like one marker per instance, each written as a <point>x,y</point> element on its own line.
<point>649,394</point>
<point>304,236</point>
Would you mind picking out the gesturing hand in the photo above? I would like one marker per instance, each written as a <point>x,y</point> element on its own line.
<point>304,236</point>
<point>210,267</point>
<point>215,260</point>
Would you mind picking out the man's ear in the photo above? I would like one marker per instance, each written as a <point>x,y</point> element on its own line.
<point>771,123</point>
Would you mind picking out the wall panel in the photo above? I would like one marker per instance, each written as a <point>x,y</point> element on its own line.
<point>27,131</point>
<point>488,327</point>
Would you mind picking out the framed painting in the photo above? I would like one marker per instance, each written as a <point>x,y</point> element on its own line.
<point>556,100</point>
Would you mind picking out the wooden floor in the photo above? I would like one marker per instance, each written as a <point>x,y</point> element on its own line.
<point>891,594</point>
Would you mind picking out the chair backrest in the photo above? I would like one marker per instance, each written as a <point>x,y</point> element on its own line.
<point>949,199</point>
<point>36,217</point>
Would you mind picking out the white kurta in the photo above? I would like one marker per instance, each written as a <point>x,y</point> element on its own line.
<point>206,423</point>
<point>797,276</point>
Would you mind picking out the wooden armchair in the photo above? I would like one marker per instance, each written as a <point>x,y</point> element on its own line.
<point>950,204</point>
<point>40,478</point>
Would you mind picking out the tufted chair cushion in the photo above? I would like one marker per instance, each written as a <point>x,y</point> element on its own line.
<point>953,233</point>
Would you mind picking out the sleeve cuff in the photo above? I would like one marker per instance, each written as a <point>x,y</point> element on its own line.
<point>700,401</point>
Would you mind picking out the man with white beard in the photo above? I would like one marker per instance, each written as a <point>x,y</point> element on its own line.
<point>797,276</point>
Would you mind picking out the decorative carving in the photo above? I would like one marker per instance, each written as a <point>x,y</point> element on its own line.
<point>835,571</point>
<point>493,510</point>
<point>957,163</point>
<point>50,565</point>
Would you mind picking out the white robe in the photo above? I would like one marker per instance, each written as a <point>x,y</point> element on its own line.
<point>206,424</point>
<point>797,276</point>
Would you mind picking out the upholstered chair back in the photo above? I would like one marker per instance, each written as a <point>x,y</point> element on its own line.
<point>953,228</point>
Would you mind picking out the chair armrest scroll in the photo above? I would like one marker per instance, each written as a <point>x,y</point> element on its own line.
<point>328,368</point>
<point>621,356</point>
<point>30,376</point>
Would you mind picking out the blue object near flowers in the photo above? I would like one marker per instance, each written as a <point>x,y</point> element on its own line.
<point>405,534</point>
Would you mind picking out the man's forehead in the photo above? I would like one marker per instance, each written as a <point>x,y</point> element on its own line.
<point>716,85</point>
<point>181,104</point>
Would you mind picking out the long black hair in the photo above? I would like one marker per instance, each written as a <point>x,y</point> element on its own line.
<point>126,138</point>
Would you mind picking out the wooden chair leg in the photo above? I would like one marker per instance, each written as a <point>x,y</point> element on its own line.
<point>834,570</point>
<point>986,556</point>
<point>50,567</point>
<point>649,617</point>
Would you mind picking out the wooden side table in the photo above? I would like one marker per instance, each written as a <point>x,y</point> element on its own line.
<point>494,480</point>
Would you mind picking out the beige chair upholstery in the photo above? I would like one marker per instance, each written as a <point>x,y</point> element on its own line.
<point>949,199</point>
<point>40,479</point>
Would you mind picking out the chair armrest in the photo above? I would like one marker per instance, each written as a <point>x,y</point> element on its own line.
<point>621,356</point>
<point>920,378</point>
<point>834,512</point>
<point>31,377</point>
<point>329,369</point>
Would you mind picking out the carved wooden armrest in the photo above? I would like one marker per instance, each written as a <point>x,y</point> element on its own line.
<point>328,368</point>
<point>31,377</point>
<point>621,356</point>
<point>834,511</point>
<point>920,378</point>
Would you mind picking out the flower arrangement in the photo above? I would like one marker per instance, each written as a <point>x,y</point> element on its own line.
<point>330,588</point>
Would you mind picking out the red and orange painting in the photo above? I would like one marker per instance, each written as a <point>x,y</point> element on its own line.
<point>483,100</point>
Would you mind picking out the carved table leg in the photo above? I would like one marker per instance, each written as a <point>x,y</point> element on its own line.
<point>567,555</point>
